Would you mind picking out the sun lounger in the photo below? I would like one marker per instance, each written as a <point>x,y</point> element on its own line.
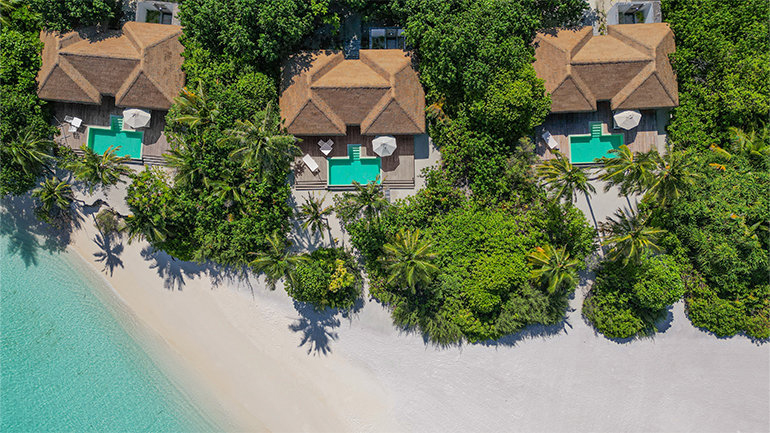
<point>549,140</point>
<point>312,165</point>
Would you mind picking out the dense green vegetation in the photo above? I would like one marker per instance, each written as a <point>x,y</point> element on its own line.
<point>222,203</point>
<point>328,278</point>
<point>491,244</point>
<point>722,63</point>
<point>719,229</point>
<point>456,269</point>
<point>66,15</point>
<point>715,231</point>
<point>626,301</point>
<point>24,130</point>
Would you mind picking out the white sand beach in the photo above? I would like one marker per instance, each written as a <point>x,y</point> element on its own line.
<point>266,365</point>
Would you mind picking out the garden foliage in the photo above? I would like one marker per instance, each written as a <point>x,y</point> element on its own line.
<point>483,288</point>
<point>720,229</point>
<point>329,278</point>
<point>217,208</point>
<point>722,64</point>
<point>627,300</point>
<point>23,114</point>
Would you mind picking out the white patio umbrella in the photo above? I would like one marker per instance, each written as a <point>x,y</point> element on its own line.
<point>628,119</point>
<point>384,145</point>
<point>136,118</point>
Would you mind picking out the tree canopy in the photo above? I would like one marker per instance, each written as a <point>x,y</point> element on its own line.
<point>722,64</point>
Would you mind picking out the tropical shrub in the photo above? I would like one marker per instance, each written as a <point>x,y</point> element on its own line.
<point>626,300</point>
<point>482,289</point>
<point>719,228</point>
<point>259,32</point>
<point>328,279</point>
<point>24,116</point>
<point>63,15</point>
<point>722,64</point>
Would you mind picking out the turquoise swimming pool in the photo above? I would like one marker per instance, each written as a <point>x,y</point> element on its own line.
<point>345,170</point>
<point>586,148</point>
<point>128,143</point>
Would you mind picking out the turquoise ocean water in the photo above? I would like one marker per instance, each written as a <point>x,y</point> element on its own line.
<point>67,361</point>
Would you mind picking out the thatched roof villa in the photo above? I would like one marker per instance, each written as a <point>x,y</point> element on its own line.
<point>592,77</point>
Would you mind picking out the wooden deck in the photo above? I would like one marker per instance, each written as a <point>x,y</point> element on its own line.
<point>397,170</point>
<point>645,137</point>
<point>154,140</point>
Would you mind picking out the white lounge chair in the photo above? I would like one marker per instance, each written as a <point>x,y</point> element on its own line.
<point>550,141</point>
<point>310,163</point>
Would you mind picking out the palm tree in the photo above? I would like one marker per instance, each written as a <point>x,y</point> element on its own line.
<point>28,151</point>
<point>194,109</point>
<point>188,168</point>
<point>151,228</point>
<point>409,260</point>
<point>553,266</point>
<point>674,172</point>
<point>629,237</point>
<point>264,146</point>
<point>230,194</point>
<point>55,196</point>
<point>315,216</point>
<point>104,170</point>
<point>7,7</point>
<point>628,170</point>
<point>563,179</point>
<point>368,199</point>
<point>754,144</point>
<point>277,262</point>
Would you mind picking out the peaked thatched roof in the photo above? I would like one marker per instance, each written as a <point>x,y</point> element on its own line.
<point>628,67</point>
<point>141,66</point>
<point>323,93</point>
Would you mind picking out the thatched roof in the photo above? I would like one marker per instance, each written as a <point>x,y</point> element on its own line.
<point>323,93</point>
<point>628,67</point>
<point>141,66</point>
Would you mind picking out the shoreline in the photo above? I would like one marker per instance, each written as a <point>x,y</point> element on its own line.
<point>270,364</point>
<point>204,328</point>
<point>157,349</point>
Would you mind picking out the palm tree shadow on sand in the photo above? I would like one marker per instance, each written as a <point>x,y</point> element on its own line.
<point>109,252</point>
<point>175,272</point>
<point>317,328</point>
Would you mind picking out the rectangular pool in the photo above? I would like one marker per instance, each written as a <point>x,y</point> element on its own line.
<point>345,170</point>
<point>586,148</point>
<point>128,143</point>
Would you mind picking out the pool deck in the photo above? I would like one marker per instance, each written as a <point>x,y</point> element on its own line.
<point>154,142</point>
<point>650,134</point>
<point>398,170</point>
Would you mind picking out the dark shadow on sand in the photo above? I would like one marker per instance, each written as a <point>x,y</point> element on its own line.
<point>317,328</point>
<point>110,251</point>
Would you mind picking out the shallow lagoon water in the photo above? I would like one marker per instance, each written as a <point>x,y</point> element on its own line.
<point>70,361</point>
